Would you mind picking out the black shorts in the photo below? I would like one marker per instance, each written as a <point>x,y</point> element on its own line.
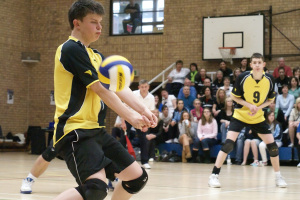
<point>86,152</point>
<point>237,125</point>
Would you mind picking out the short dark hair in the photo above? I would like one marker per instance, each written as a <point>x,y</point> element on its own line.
<point>281,68</point>
<point>179,62</point>
<point>194,64</point>
<point>257,55</point>
<point>81,8</point>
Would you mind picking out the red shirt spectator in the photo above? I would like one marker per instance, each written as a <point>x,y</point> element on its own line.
<point>287,69</point>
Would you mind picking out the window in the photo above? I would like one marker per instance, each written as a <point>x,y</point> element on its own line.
<point>137,17</point>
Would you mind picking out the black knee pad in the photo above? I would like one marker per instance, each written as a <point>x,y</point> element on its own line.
<point>49,154</point>
<point>228,146</point>
<point>93,189</point>
<point>273,149</point>
<point>136,185</point>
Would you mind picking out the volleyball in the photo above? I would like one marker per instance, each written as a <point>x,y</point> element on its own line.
<point>116,73</point>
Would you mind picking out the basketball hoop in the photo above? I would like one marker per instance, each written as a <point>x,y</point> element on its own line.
<point>227,53</point>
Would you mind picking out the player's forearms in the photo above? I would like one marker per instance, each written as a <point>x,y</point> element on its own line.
<point>240,101</point>
<point>265,104</point>
<point>112,101</point>
<point>130,99</point>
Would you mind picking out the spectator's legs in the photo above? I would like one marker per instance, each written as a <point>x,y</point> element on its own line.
<point>292,130</point>
<point>125,22</point>
<point>239,148</point>
<point>135,23</point>
<point>223,132</point>
<point>143,146</point>
<point>246,151</point>
<point>254,149</point>
<point>262,151</point>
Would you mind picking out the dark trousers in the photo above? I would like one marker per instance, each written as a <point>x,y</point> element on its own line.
<point>135,22</point>
<point>144,146</point>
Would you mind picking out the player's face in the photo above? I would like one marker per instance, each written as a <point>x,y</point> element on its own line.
<point>90,28</point>
<point>257,64</point>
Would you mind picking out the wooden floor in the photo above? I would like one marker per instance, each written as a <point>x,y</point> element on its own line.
<point>167,181</point>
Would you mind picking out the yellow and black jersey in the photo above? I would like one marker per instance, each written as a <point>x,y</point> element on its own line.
<point>77,106</point>
<point>255,92</point>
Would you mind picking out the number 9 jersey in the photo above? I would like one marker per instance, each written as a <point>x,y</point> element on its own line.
<point>255,92</point>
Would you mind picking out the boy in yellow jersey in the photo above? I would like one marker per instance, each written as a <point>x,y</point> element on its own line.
<point>89,152</point>
<point>252,92</point>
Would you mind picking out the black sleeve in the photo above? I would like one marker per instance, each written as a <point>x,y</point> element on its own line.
<point>75,59</point>
<point>271,94</point>
<point>238,88</point>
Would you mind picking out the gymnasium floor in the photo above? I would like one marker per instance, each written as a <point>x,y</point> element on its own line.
<point>167,181</point>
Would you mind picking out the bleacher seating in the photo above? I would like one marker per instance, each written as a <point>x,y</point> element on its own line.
<point>285,153</point>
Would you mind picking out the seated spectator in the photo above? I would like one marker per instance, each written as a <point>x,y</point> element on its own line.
<point>186,135</point>
<point>118,130</point>
<point>244,65</point>
<point>196,113</point>
<point>287,69</point>
<point>294,121</point>
<point>168,100</point>
<point>227,86</point>
<point>236,72</point>
<point>158,104</point>
<point>193,91</point>
<point>225,117</point>
<point>166,118</point>
<point>279,116</point>
<point>285,102</point>
<point>176,78</point>
<point>219,82</point>
<point>207,134</point>
<point>226,71</point>
<point>155,136</point>
<point>173,128</point>
<point>277,133</point>
<point>219,102</point>
<point>207,100</point>
<point>280,81</point>
<point>187,98</point>
<point>199,80</point>
<point>296,73</point>
<point>135,16</point>
<point>294,90</point>
<point>207,82</point>
<point>251,141</point>
<point>193,75</point>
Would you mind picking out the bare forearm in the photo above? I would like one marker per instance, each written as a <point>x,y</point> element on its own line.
<point>265,104</point>
<point>130,99</point>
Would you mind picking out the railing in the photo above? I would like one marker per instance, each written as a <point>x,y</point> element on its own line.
<point>163,82</point>
<point>163,78</point>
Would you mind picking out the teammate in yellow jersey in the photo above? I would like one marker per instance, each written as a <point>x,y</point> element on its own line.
<point>252,92</point>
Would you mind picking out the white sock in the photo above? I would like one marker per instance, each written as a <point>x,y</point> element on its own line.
<point>31,176</point>
<point>277,173</point>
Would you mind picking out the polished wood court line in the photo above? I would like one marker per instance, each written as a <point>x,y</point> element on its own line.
<point>167,181</point>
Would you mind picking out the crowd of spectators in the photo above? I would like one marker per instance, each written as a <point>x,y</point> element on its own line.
<point>195,111</point>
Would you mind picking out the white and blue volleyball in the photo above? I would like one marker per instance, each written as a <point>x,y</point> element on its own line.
<point>116,73</point>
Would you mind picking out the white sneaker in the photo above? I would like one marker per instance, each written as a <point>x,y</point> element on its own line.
<point>175,140</point>
<point>169,141</point>
<point>214,181</point>
<point>151,160</point>
<point>291,145</point>
<point>146,166</point>
<point>280,182</point>
<point>26,186</point>
<point>298,165</point>
<point>286,131</point>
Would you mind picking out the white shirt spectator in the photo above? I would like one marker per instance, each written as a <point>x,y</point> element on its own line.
<point>178,77</point>
<point>227,91</point>
<point>169,104</point>
<point>148,101</point>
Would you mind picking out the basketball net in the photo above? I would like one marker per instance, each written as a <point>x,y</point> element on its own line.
<point>227,53</point>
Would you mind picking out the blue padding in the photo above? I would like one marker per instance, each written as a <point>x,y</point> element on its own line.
<point>285,153</point>
<point>296,156</point>
<point>170,147</point>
